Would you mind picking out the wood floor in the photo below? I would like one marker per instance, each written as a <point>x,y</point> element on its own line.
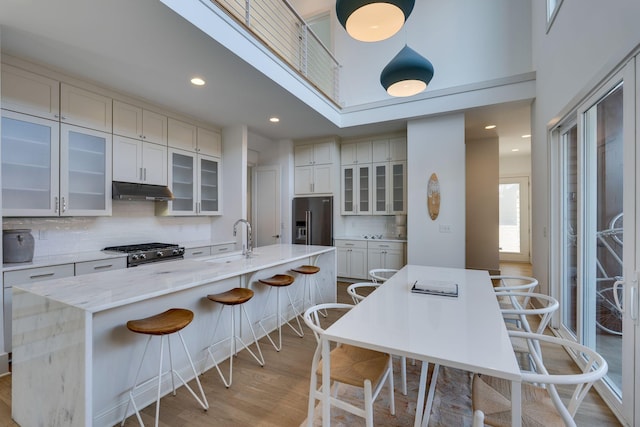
<point>275,395</point>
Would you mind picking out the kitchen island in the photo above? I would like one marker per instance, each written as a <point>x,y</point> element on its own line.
<point>73,357</point>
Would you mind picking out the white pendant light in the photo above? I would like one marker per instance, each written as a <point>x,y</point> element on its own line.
<point>373,20</point>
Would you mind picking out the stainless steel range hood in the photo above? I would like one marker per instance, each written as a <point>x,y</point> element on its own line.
<point>131,191</point>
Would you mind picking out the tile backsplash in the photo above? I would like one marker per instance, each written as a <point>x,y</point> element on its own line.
<point>131,222</point>
<point>367,225</point>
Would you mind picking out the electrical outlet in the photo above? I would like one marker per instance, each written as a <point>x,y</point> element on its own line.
<point>445,228</point>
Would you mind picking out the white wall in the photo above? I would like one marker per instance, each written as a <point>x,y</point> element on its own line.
<point>467,41</point>
<point>586,40</point>
<point>515,165</point>
<point>436,145</point>
<point>234,182</point>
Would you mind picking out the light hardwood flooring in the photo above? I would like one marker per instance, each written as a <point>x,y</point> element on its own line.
<point>274,395</point>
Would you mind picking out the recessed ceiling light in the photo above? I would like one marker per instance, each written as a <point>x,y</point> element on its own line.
<point>526,136</point>
<point>274,119</point>
<point>197,81</point>
<point>515,149</point>
<point>490,127</point>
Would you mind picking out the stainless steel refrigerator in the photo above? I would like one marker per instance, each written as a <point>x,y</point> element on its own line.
<point>313,221</point>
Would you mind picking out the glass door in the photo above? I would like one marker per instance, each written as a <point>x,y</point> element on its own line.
<point>596,244</point>
<point>182,179</point>
<point>209,185</point>
<point>513,195</point>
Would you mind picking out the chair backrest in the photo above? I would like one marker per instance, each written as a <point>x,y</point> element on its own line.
<point>352,290</point>
<point>514,283</point>
<point>544,307</point>
<point>312,319</point>
<point>592,365</point>
<point>380,275</point>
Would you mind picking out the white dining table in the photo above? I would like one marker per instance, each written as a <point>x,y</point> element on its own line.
<point>465,332</point>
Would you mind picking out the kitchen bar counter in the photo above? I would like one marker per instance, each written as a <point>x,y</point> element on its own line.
<point>73,354</point>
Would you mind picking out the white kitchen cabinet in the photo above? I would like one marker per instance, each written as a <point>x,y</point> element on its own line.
<point>356,190</point>
<point>139,161</point>
<point>385,255</point>
<point>30,165</point>
<point>138,123</point>
<point>195,181</point>
<point>351,258</point>
<point>316,179</point>
<point>85,172</point>
<point>20,277</point>
<point>85,108</point>
<point>389,149</point>
<point>29,93</point>
<point>186,136</point>
<point>389,188</point>
<point>197,252</point>
<point>355,153</point>
<point>87,267</point>
<point>209,142</point>
<point>222,248</point>
<point>315,168</point>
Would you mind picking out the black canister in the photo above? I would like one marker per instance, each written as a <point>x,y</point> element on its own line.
<point>17,246</point>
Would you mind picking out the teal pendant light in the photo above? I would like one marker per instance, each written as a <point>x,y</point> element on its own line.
<point>407,74</point>
<point>373,20</point>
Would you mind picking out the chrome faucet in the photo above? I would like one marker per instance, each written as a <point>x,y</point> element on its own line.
<point>246,248</point>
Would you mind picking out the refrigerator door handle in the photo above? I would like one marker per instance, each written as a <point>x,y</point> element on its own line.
<point>309,229</point>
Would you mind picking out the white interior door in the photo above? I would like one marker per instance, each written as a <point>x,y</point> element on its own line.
<point>266,205</point>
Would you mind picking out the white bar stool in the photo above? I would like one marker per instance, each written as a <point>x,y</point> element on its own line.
<point>280,281</point>
<point>164,324</point>
<point>232,298</point>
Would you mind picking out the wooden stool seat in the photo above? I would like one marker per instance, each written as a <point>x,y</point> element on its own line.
<point>278,280</point>
<point>306,269</point>
<point>169,322</point>
<point>233,296</point>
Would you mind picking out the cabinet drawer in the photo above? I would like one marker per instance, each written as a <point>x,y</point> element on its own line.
<point>196,252</point>
<point>359,244</point>
<point>29,275</point>
<point>221,249</point>
<point>398,246</point>
<point>100,265</point>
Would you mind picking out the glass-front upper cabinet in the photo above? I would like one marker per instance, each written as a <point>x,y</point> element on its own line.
<point>50,169</point>
<point>194,180</point>
<point>209,168</point>
<point>356,190</point>
<point>389,188</point>
<point>30,156</point>
<point>85,172</point>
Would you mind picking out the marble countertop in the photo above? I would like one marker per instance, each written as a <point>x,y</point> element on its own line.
<point>105,290</point>
<point>383,239</point>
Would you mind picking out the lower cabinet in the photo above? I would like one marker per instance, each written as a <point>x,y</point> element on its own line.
<point>209,250</point>
<point>357,257</point>
<point>352,259</point>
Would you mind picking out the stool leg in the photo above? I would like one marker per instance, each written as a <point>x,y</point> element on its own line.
<point>159,380</point>
<point>135,383</point>
<point>298,331</point>
<point>203,402</point>
<point>255,339</point>
<point>322,312</point>
<point>173,383</point>
<point>215,362</point>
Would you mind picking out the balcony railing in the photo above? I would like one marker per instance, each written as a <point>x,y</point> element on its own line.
<point>279,27</point>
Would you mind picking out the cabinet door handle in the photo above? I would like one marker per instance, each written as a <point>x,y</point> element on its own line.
<point>140,174</point>
<point>100,267</point>
<point>56,204</point>
<point>222,249</point>
<point>64,205</point>
<point>145,174</point>
<point>39,276</point>
<point>197,253</point>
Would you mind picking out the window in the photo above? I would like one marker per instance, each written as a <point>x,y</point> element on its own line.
<point>552,10</point>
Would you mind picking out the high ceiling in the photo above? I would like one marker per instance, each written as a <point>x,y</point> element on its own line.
<point>144,49</point>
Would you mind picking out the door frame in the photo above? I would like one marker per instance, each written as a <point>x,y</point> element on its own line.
<point>525,220</point>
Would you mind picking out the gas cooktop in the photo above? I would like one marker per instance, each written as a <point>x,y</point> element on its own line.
<point>143,253</point>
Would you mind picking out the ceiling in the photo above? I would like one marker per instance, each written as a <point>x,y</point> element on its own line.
<point>140,46</point>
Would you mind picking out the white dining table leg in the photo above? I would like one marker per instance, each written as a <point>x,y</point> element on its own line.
<point>326,383</point>
<point>421,392</point>
<point>516,404</point>
<point>432,390</point>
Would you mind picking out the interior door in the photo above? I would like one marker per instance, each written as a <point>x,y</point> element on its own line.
<point>266,205</point>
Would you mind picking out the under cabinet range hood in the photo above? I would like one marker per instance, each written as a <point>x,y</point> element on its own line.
<point>132,191</point>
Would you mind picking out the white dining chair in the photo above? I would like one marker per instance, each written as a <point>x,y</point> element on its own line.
<point>381,275</point>
<point>352,290</point>
<point>541,306</point>
<point>355,366</point>
<point>541,403</point>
